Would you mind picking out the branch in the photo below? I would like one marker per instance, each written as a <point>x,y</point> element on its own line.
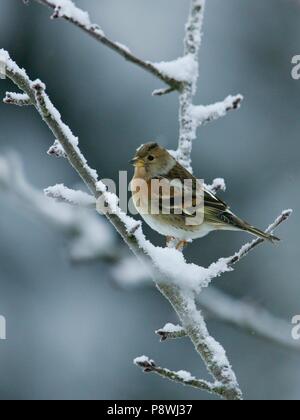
<point>204,114</point>
<point>62,194</point>
<point>217,185</point>
<point>57,150</point>
<point>182,377</point>
<point>192,44</point>
<point>211,352</point>
<point>247,317</point>
<point>170,331</point>
<point>190,116</point>
<point>67,10</point>
<point>244,251</point>
<point>19,99</point>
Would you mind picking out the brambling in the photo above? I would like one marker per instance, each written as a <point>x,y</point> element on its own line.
<point>174,215</point>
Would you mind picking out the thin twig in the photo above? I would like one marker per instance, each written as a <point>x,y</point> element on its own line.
<point>171,332</point>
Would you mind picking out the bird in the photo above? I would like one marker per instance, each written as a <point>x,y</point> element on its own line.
<point>175,217</point>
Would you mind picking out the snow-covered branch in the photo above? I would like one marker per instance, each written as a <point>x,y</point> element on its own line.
<point>19,99</point>
<point>66,9</point>
<point>247,317</point>
<point>244,251</point>
<point>190,116</point>
<point>218,184</point>
<point>182,377</point>
<point>63,194</point>
<point>171,331</point>
<point>204,114</point>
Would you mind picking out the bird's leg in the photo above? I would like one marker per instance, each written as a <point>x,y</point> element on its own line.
<point>181,245</point>
<point>170,242</point>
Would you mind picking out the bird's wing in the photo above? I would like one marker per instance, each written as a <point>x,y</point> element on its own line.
<point>216,211</point>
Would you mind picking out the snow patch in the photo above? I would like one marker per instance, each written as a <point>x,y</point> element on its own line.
<point>183,69</point>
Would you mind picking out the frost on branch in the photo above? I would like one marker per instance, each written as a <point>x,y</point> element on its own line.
<point>203,114</point>
<point>183,377</point>
<point>171,331</point>
<point>184,69</point>
<point>217,185</point>
<point>57,150</point>
<point>67,9</point>
<point>19,99</point>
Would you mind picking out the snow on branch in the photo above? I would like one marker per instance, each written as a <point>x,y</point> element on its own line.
<point>19,99</point>
<point>190,116</point>
<point>244,251</point>
<point>170,331</point>
<point>182,377</point>
<point>57,150</point>
<point>250,318</point>
<point>204,114</point>
<point>67,10</point>
<point>218,184</point>
<point>63,194</point>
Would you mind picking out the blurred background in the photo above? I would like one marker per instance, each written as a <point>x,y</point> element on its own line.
<point>72,333</point>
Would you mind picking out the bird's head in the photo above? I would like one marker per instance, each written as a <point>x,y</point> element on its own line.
<point>153,160</point>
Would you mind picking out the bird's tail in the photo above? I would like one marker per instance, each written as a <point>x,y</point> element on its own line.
<point>241,224</point>
<point>260,233</point>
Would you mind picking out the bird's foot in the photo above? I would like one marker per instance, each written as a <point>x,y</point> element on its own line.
<point>171,242</point>
<point>181,245</point>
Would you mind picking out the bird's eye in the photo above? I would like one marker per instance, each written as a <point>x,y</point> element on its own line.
<point>151,158</point>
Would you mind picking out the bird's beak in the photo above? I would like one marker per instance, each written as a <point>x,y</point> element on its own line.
<point>137,162</point>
